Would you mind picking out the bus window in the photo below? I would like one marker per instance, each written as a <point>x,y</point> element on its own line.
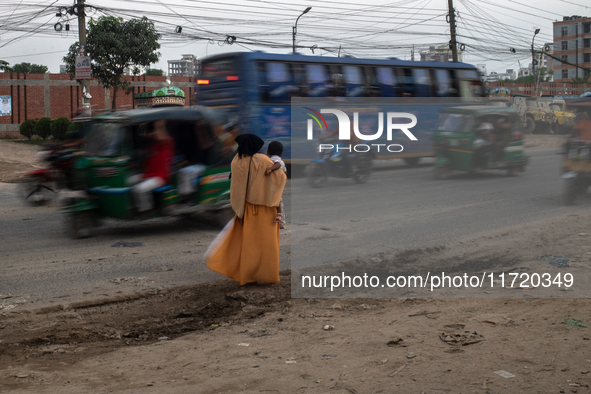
<point>279,82</point>
<point>443,83</point>
<point>387,81</point>
<point>372,88</point>
<point>337,83</point>
<point>317,79</point>
<point>422,82</point>
<point>298,73</point>
<point>408,82</point>
<point>354,84</point>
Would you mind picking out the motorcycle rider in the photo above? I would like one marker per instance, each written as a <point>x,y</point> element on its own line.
<point>349,158</point>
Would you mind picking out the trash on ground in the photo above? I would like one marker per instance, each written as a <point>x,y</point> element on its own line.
<point>556,260</point>
<point>291,362</point>
<point>573,322</point>
<point>328,327</point>
<point>162,338</point>
<point>468,338</point>
<point>411,355</point>
<point>244,344</point>
<point>490,322</point>
<point>505,374</point>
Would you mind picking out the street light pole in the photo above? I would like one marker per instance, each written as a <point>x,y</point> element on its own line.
<point>295,27</point>
<point>533,61</point>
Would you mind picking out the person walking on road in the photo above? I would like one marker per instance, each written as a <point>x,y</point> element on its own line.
<point>247,249</point>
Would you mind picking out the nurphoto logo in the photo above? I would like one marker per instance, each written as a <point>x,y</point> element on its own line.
<point>344,129</point>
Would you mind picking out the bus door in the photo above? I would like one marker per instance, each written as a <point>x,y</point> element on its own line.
<point>354,84</point>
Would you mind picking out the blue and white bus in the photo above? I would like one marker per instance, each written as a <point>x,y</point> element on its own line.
<point>256,87</point>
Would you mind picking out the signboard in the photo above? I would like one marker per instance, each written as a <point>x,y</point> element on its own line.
<point>167,96</point>
<point>83,67</point>
<point>5,105</point>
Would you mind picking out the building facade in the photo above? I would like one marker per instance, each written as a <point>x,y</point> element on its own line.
<point>188,66</point>
<point>440,54</point>
<point>572,43</point>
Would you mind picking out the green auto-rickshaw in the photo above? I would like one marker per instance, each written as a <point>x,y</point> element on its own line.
<point>115,149</point>
<point>473,138</point>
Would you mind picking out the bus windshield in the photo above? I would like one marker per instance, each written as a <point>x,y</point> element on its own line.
<point>219,68</point>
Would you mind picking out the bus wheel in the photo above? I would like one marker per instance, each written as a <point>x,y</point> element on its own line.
<point>317,176</point>
<point>530,125</point>
<point>412,161</point>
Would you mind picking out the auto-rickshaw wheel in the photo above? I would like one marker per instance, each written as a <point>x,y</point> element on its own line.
<point>530,125</point>
<point>81,224</point>
<point>441,172</point>
<point>570,191</point>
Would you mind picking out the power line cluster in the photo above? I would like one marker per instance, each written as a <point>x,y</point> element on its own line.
<point>353,28</point>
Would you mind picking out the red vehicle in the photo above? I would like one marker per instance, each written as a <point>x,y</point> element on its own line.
<point>39,187</point>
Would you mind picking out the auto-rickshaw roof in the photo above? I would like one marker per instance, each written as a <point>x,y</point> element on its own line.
<point>173,113</point>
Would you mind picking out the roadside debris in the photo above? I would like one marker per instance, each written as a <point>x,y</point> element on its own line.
<point>244,344</point>
<point>572,323</point>
<point>468,338</point>
<point>425,313</point>
<point>396,342</point>
<point>490,322</point>
<point>328,327</point>
<point>556,260</point>
<point>505,374</point>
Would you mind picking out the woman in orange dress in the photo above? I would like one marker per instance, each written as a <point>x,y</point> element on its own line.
<point>247,249</point>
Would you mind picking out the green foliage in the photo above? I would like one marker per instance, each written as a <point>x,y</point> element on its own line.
<point>29,68</point>
<point>4,66</point>
<point>584,79</point>
<point>27,128</point>
<point>154,72</point>
<point>542,75</point>
<point>114,45</point>
<point>59,128</point>
<point>43,128</point>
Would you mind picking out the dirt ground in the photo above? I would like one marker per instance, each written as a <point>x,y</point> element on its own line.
<point>223,338</point>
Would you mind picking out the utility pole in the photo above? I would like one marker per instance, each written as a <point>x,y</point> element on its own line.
<point>452,28</point>
<point>85,83</point>
<point>412,53</point>
<point>577,49</point>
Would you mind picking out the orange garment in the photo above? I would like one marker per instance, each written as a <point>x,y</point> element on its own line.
<point>247,250</point>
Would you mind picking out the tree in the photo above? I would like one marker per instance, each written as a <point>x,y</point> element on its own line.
<point>27,127</point>
<point>43,128</point>
<point>114,45</point>
<point>29,68</point>
<point>154,72</point>
<point>4,66</point>
<point>59,128</point>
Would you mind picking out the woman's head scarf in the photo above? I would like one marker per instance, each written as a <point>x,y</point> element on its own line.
<point>248,144</point>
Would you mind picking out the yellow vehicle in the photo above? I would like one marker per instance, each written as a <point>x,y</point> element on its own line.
<point>566,120</point>
<point>538,118</point>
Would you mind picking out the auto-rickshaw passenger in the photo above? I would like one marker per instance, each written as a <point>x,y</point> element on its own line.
<point>502,138</point>
<point>157,167</point>
<point>197,158</point>
<point>482,145</point>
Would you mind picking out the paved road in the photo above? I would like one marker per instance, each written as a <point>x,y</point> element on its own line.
<point>409,209</point>
<point>398,208</point>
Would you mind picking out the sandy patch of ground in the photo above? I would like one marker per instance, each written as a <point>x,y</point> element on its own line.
<point>17,159</point>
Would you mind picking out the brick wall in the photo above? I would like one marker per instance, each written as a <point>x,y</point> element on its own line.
<point>56,95</point>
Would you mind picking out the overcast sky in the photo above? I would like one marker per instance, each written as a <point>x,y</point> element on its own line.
<point>370,28</point>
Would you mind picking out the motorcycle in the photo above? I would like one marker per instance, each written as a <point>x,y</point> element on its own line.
<point>333,162</point>
<point>39,187</point>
